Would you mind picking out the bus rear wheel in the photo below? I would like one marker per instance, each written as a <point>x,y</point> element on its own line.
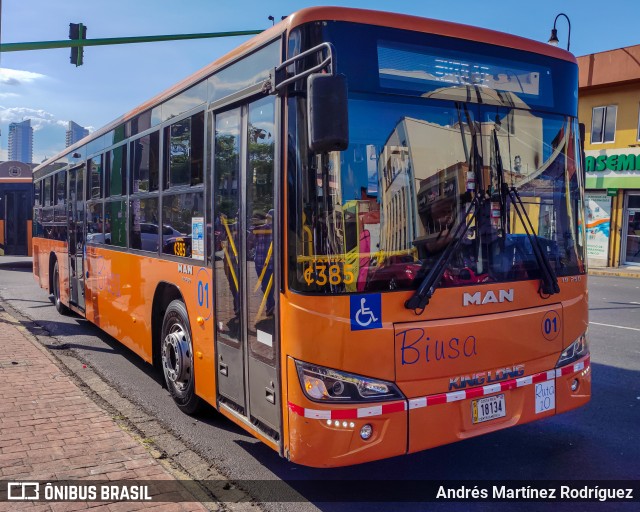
<point>177,358</point>
<point>60,307</point>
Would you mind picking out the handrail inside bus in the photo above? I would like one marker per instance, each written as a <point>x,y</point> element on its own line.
<point>329,61</point>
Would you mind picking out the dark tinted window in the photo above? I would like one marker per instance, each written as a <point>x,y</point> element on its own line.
<point>144,220</point>
<point>183,214</point>
<point>144,163</point>
<point>115,223</point>
<point>95,177</point>
<point>37,192</point>
<point>61,187</point>
<point>95,223</point>
<point>185,151</point>
<point>117,172</point>
<point>47,191</point>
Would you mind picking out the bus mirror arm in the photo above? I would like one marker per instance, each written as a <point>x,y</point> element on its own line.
<point>328,62</point>
<point>327,109</point>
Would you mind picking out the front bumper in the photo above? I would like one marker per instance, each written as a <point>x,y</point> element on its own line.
<point>329,435</point>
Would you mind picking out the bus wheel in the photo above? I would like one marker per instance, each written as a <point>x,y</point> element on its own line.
<point>60,307</point>
<point>177,357</point>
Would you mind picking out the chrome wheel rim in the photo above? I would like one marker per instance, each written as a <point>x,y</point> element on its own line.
<point>177,357</point>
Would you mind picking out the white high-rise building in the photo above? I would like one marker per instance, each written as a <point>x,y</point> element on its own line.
<point>21,142</point>
<point>75,132</point>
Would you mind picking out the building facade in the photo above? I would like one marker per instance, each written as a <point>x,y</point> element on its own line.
<point>609,107</point>
<point>75,132</point>
<point>21,142</point>
<point>16,208</point>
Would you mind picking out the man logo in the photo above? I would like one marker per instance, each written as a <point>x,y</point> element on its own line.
<point>478,299</point>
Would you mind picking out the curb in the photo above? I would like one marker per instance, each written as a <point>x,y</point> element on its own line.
<point>16,264</point>
<point>615,273</point>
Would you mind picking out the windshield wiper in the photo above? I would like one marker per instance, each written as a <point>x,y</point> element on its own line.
<point>420,299</point>
<point>549,282</point>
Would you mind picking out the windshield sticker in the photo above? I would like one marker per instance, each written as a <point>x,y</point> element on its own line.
<point>366,312</point>
<point>197,238</point>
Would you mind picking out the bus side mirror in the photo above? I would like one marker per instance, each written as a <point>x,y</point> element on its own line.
<point>328,121</point>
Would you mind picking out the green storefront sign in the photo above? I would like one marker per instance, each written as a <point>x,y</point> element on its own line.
<point>613,169</point>
<point>620,162</point>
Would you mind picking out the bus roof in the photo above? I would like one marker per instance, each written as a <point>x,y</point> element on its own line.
<point>369,17</point>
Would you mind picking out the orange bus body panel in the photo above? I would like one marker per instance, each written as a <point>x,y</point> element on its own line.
<point>120,288</point>
<point>43,250</point>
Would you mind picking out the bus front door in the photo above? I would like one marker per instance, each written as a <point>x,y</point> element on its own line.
<point>76,245</point>
<point>246,290</point>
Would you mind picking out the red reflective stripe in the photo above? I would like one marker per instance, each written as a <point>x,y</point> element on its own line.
<point>344,414</point>
<point>391,408</point>
<point>507,385</point>
<point>296,408</point>
<point>475,392</point>
<point>437,399</point>
<point>539,377</point>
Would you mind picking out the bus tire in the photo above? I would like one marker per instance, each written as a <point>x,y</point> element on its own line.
<point>55,282</point>
<point>176,350</point>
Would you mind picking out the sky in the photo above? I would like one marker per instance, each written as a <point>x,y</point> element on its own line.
<point>45,87</point>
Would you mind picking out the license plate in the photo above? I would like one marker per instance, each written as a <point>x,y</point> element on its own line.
<point>490,408</point>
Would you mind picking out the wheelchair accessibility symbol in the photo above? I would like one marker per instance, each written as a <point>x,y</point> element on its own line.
<point>366,312</point>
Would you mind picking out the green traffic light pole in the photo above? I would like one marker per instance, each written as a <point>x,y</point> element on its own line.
<point>48,45</point>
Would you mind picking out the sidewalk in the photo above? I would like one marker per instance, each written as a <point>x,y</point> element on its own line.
<point>50,431</point>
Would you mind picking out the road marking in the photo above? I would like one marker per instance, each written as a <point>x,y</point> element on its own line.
<point>616,326</point>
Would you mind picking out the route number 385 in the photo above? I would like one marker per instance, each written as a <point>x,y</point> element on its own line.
<point>329,274</point>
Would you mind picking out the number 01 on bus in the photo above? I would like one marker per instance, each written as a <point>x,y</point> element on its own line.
<point>357,236</point>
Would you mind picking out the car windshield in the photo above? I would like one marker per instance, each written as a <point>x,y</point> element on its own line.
<point>378,216</point>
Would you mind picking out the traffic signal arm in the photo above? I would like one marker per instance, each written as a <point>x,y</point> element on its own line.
<point>49,45</point>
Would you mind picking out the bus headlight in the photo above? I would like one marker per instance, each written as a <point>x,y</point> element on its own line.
<point>575,351</point>
<point>322,384</point>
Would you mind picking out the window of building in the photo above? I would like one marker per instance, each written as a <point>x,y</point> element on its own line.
<point>638,138</point>
<point>603,124</point>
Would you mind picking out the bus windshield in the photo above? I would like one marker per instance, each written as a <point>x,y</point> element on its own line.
<point>378,216</point>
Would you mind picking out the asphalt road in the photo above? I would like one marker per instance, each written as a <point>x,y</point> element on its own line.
<point>597,442</point>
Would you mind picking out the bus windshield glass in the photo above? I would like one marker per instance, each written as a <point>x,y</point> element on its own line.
<point>432,132</point>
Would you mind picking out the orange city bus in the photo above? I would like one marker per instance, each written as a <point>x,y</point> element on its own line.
<point>358,235</point>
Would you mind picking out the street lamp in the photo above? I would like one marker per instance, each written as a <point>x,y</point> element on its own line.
<point>553,40</point>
